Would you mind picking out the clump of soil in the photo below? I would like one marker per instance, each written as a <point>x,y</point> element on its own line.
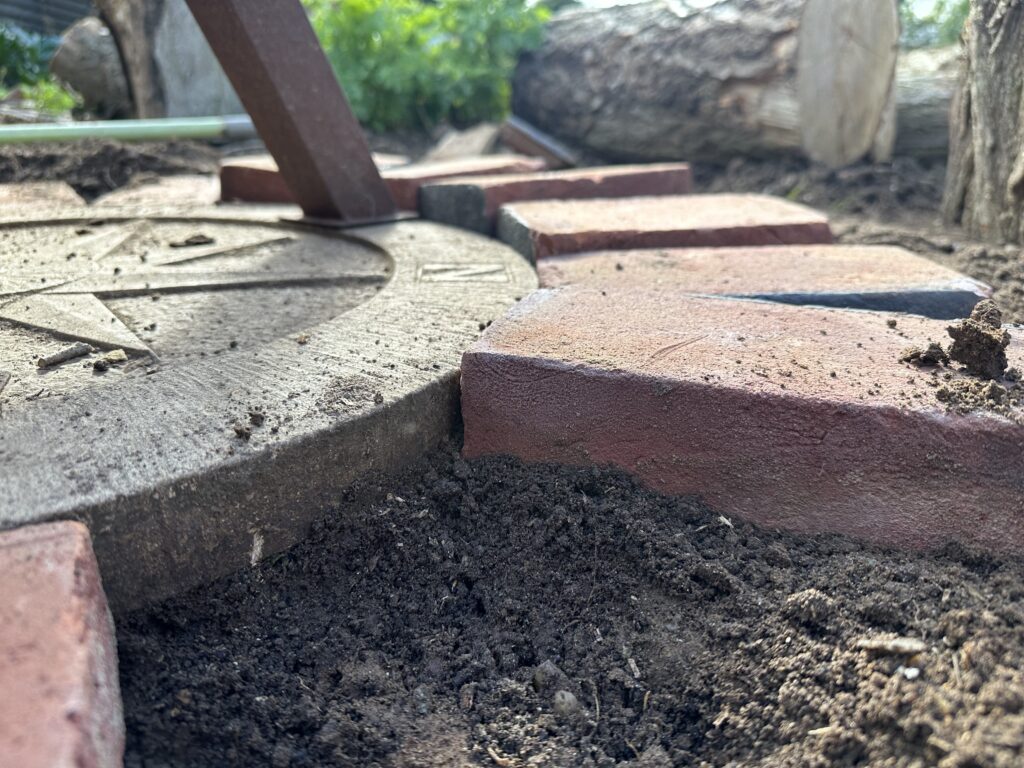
<point>925,357</point>
<point>94,168</point>
<point>980,342</point>
<point>492,614</point>
<point>966,395</point>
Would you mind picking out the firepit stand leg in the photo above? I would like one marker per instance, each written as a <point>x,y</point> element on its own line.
<point>272,57</point>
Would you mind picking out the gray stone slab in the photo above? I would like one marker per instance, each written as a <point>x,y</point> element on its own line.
<point>267,370</point>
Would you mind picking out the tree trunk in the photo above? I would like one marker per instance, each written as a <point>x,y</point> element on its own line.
<point>925,83</point>
<point>985,177</point>
<point>750,77</point>
<point>133,24</point>
<point>171,70</point>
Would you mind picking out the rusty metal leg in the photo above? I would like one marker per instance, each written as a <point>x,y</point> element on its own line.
<point>272,57</point>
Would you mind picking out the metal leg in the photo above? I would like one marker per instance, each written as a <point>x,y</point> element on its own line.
<point>272,57</point>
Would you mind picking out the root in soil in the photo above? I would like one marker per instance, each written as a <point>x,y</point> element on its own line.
<point>488,613</point>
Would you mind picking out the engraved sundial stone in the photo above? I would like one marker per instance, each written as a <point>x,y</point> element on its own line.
<point>268,367</point>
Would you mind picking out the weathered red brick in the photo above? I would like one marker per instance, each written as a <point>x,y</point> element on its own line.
<point>253,180</point>
<point>61,704</point>
<point>792,417</point>
<point>405,182</point>
<point>473,203</point>
<point>875,277</point>
<point>257,180</point>
<point>549,228</point>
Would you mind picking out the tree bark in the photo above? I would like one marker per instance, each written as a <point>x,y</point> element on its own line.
<point>985,177</point>
<point>171,70</point>
<point>750,77</point>
<point>133,24</point>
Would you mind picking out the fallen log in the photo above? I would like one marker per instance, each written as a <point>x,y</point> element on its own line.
<point>662,80</point>
<point>925,82</point>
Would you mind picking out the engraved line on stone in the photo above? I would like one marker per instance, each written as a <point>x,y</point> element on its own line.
<point>79,317</point>
<point>144,283</point>
<point>135,232</point>
<point>457,273</point>
<point>234,250</point>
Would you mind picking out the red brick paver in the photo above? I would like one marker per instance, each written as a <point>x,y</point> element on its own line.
<point>259,181</point>
<point>473,203</point>
<point>405,182</point>
<point>793,417</point>
<point>61,705</point>
<point>549,228</point>
<point>853,276</point>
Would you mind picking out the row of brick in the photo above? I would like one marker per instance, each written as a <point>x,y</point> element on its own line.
<point>666,343</point>
<point>647,352</point>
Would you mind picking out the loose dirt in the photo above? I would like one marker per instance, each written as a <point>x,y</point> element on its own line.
<point>980,341</point>
<point>94,168</point>
<point>492,614</point>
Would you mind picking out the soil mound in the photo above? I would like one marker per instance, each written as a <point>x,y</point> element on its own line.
<point>493,614</point>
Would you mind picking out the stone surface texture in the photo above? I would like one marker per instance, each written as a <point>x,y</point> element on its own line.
<point>33,194</point>
<point>791,417</point>
<point>875,277</point>
<point>473,203</point>
<point>549,227</point>
<point>61,703</point>
<point>269,367</point>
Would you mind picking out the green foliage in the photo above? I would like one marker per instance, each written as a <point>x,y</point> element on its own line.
<point>50,97</point>
<point>24,65</point>
<point>939,26</point>
<point>24,57</point>
<point>413,64</point>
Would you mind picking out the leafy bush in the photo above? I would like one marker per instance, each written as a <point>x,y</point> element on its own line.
<point>24,65</point>
<point>24,57</point>
<point>413,64</point>
<point>941,25</point>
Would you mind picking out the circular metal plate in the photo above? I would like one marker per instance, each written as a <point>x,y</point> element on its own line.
<point>268,367</point>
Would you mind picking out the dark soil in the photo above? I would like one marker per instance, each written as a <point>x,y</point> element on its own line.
<point>491,614</point>
<point>94,168</point>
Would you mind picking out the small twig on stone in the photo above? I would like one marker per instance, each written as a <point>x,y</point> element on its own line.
<point>62,356</point>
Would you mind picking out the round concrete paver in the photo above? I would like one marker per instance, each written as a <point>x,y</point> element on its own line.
<point>244,373</point>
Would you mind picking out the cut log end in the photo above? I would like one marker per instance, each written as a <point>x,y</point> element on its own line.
<point>846,63</point>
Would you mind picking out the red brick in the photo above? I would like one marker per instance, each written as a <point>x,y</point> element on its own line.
<point>405,182</point>
<point>257,180</point>
<point>852,276</point>
<point>549,228</point>
<point>253,180</point>
<point>791,417</point>
<point>473,203</point>
<point>61,705</point>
